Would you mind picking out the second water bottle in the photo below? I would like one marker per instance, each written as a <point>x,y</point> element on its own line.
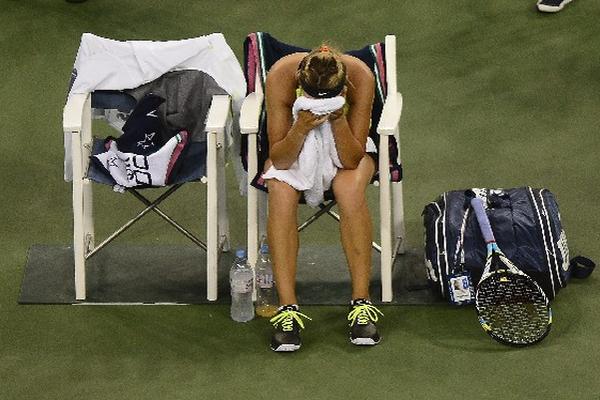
<point>266,303</point>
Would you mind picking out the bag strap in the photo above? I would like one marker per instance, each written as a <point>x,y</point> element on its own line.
<point>581,267</point>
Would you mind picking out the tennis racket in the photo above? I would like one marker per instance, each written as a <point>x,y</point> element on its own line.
<point>512,308</point>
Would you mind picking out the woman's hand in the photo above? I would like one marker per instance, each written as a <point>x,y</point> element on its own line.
<point>336,114</point>
<point>307,121</point>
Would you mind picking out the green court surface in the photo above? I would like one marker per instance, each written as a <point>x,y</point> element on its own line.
<point>495,95</point>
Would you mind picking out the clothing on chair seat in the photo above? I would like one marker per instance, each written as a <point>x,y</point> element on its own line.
<point>318,161</point>
<point>132,170</point>
<point>144,132</point>
<point>146,153</point>
<point>188,96</point>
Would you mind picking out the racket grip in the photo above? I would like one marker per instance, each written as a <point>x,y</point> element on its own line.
<point>483,220</point>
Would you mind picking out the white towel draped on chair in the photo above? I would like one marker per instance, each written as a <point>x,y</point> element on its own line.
<point>318,160</point>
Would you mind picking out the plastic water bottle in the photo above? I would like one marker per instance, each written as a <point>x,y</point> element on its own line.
<point>266,304</point>
<point>241,280</point>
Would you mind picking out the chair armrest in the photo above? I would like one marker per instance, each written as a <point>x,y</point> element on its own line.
<point>250,114</point>
<point>390,116</point>
<point>218,114</point>
<point>73,112</point>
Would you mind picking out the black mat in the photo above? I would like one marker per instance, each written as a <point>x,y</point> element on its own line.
<point>177,274</point>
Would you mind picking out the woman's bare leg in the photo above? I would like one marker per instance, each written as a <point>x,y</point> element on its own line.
<point>349,187</point>
<point>282,231</point>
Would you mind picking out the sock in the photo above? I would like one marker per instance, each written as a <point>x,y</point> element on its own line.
<point>358,302</point>
<point>289,307</point>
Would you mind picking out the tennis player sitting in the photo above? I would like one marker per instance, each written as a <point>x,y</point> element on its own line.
<point>319,110</point>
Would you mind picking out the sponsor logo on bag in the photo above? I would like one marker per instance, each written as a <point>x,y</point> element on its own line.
<point>564,250</point>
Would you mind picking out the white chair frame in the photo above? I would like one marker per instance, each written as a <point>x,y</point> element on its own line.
<point>391,202</point>
<point>77,122</point>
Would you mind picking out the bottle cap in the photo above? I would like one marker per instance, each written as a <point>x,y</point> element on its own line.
<point>264,249</point>
<point>240,253</point>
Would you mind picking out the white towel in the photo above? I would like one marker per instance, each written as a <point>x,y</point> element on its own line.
<point>318,161</point>
<point>108,64</point>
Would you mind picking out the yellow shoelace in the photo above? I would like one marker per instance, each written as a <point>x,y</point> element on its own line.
<point>363,314</point>
<point>286,319</point>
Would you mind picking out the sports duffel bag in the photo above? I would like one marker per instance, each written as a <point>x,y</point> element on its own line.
<point>527,226</point>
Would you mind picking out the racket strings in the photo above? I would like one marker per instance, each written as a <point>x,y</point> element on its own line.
<point>512,308</point>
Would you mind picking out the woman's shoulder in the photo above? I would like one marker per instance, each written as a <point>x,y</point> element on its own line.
<point>287,64</point>
<point>356,68</point>
<point>281,79</point>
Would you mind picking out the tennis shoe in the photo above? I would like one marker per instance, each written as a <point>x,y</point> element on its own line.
<point>287,324</point>
<point>552,6</point>
<point>363,317</point>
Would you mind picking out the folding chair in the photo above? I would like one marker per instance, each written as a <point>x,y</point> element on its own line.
<point>108,76</point>
<point>261,51</point>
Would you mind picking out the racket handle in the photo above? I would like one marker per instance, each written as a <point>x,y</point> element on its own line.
<point>483,220</point>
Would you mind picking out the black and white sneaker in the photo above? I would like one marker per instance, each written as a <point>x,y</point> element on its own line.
<point>552,6</point>
<point>363,316</point>
<point>286,328</point>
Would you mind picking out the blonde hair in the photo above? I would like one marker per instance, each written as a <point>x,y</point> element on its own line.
<point>322,69</point>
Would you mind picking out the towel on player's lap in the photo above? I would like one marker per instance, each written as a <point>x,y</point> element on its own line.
<point>318,160</point>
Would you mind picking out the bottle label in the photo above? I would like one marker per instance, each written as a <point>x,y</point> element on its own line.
<point>264,281</point>
<point>241,286</point>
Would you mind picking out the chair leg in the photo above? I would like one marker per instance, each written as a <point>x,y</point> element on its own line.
<point>82,198</point>
<point>252,207</point>
<point>398,214</point>
<point>386,245</point>
<point>398,196</point>
<point>88,215</point>
<point>253,193</point>
<point>78,219</point>
<point>385,220</point>
<point>211,218</point>
<point>223,221</point>
<point>252,225</point>
<point>86,151</point>
<point>78,241</point>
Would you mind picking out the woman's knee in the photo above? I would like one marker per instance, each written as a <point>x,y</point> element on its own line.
<point>281,189</point>
<point>350,185</point>
<point>282,197</point>
<point>351,198</point>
